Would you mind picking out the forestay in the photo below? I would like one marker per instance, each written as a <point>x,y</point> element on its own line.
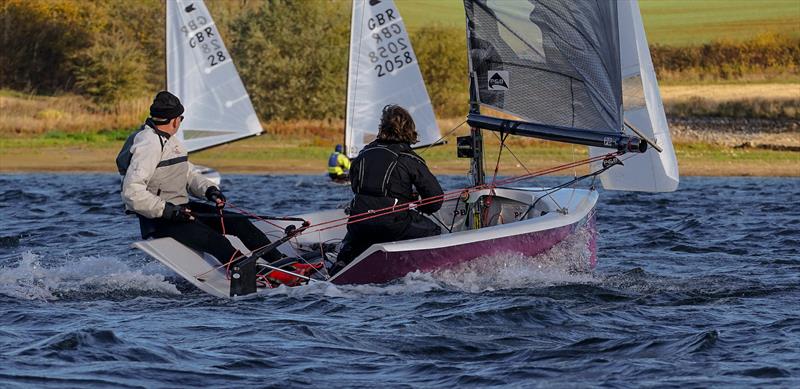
<point>383,70</point>
<point>546,62</point>
<point>201,73</point>
<point>643,109</point>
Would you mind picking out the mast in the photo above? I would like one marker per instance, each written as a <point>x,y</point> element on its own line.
<point>476,165</point>
<point>347,79</point>
<point>166,45</point>
<point>476,137</point>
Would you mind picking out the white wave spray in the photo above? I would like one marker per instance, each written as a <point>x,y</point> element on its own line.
<point>565,263</point>
<point>86,275</point>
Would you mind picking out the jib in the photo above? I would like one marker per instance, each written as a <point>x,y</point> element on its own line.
<point>379,19</point>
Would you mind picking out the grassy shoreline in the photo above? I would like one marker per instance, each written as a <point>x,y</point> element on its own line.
<point>278,155</point>
<point>62,134</point>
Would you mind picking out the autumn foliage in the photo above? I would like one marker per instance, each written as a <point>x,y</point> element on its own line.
<point>291,55</point>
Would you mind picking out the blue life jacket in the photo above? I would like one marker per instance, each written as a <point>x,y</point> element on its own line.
<point>333,161</point>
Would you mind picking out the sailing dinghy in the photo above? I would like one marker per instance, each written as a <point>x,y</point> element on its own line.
<point>574,72</point>
<point>200,71</point>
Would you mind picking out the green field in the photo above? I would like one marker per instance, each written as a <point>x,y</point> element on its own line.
<point>668,22</point>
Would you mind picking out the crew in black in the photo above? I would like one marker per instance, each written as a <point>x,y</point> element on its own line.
<point>386,173</point>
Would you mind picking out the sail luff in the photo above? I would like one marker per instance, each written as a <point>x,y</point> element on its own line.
<point>347,114</point>
<point>352,77</point>
<point>167,18</point>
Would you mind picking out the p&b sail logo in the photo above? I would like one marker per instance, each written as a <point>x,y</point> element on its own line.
<point>189,8</point>
<point>498,79</point>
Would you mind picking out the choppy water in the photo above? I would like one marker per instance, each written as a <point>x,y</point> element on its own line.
<point>695,288</point>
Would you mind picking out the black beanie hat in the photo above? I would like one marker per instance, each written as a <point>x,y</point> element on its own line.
<point>166,106</point>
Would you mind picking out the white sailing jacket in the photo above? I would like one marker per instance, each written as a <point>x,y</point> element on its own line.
<point>159,172</point>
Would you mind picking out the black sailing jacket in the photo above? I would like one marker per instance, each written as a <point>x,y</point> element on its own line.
<point>389,173</point>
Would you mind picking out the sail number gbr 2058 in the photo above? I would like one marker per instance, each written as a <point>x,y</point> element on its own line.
<point>392,51</point>
<point>204,38</point>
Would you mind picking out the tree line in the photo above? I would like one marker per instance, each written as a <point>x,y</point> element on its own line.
<point>291,55</point>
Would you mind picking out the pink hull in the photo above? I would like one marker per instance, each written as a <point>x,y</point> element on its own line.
<point>381,266</point>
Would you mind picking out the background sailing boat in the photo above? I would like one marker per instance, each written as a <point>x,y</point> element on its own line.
<point>200,71</point>
<point>383,70</point>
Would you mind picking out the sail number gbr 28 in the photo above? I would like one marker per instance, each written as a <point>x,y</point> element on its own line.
<point>392,51</point>
<point>201,36</point>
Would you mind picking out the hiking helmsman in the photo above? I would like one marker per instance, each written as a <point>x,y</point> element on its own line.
<point>158,179</point>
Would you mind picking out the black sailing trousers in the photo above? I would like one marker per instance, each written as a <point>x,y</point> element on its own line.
<point>205,232</point>
<point>388,228</point>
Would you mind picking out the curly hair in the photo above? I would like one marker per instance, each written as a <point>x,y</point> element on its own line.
<point>397,125</point>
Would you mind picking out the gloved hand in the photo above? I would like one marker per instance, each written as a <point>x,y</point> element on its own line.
<point>214,194</point>
<point>177,213</point>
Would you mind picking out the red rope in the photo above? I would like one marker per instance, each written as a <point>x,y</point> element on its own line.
<point>497,165</point>
<point>406,206</point>
<point>228,265</point>
<point>448,195</point>
<point>221,221</point>
<point>402,207</point>
<point>254,216</point>
<point>263,278</point>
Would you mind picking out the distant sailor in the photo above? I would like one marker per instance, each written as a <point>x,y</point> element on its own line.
<point>386,173</point>
<point>158,179</point>
<point>338,165</point>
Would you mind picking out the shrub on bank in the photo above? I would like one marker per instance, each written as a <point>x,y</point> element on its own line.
<point>442,56</point>
<point>110,71</point>
<point>767,56</point>
<point>293,58</point>
<point>291,55</point>
<point>39,41</point>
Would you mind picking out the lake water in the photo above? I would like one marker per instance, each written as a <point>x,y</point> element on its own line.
<point>695,288</point>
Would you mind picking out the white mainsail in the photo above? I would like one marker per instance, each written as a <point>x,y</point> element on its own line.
<point>201,73</point>
<point>383,70</point>
<point>651,171</point>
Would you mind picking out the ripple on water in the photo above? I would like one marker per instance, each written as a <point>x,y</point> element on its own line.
<point>640,346</point>
<point>700,282</point>
<point>9,241</point>
<point>90,345</point>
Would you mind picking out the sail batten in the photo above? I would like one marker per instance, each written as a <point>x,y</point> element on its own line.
<point>202,74</point>
<point>383,70</point>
